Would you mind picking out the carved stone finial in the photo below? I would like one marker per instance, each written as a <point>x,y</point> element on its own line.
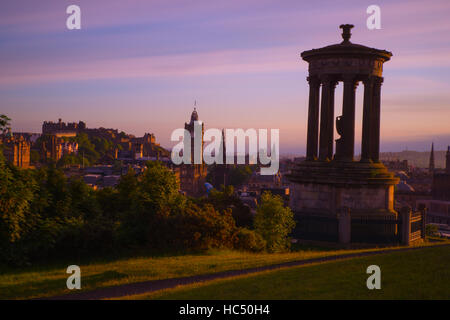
<point>346,34</point>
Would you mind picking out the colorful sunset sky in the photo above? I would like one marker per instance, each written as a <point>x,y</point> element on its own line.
<point>139,65</point>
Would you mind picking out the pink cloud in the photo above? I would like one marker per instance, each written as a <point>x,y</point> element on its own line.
<point>423,59</point>
<point>212,63</point>
<point>48,16</point>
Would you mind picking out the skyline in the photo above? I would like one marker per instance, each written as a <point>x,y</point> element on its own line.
<point>139,66</point>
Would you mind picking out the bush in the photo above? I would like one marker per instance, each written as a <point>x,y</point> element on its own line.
<point>201,228</point>
<point>431,230</point>
<point>43,214</point>
<point>226,199</point>
<point>274,222</point>
<point>17,188</point>
<point>248,240</point>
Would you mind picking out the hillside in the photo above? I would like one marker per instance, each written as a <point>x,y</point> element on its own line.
<point>416,158</point>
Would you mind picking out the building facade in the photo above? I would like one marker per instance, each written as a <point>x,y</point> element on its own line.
<point>61,129</point>
<point>17,150</point>
<point>193,176</point>
<point>440,189</point>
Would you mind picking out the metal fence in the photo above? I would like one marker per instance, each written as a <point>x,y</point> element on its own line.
<point>417,222</point>
<point>317,227</point>
<point>405,228</point>
<point>369,229</point>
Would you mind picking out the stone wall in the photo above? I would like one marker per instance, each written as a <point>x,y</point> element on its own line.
<point>323,198</point>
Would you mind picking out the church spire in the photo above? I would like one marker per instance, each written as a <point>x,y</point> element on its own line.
<point>224,147</point>
<point>431,166</point>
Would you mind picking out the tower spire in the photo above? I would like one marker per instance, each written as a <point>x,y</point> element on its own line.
<point>431,166</point>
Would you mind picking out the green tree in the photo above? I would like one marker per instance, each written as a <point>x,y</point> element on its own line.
<point>248,240</point>
<point>226,199</point>
<point>160,184</point>
<point>35,157</point>
<point>147,201</point>
<point>53,198</point>
<point>196,227</point>
<point>127,188</point>
<point>86,149</point>
<point>16,193</point>
<point>240,174</point>
<point>108,200</point>
<point>83,202</point>
<point>4,123</point>
<point>274,222</point>
<point>69,160</point>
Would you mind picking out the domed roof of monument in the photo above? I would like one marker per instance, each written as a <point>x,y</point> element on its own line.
<point>346,48</point>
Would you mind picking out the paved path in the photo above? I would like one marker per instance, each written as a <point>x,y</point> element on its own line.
<point>155,285</point>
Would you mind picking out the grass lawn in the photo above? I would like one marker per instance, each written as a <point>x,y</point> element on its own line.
<point>50,280</point>
<point>417,274</point>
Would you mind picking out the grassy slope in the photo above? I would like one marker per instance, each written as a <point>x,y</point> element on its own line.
<point>45,281</point>
<point>419,274</point>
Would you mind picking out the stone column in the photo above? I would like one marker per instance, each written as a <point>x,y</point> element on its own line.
<point>405,213</point>
<point>331,120</point>
<point>323,139</point>
<point>424,222</point>
<point>326,119</point>
<point>366,127</point>
<point>313,119</point>
<point>375,119</point>
<point>348,118</point>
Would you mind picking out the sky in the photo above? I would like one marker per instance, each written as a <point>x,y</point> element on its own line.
<point>138,66</point>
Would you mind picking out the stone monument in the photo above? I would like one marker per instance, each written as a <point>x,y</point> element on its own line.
<point>331,183</point>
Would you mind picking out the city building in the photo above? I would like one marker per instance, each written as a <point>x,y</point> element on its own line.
<point>193,176</point>
<point>439,205</point>
<point>397,165</point>
<point>61,129</point>
<point>16,149</point>
<point>126,147</point>
<point>257,181</point>
<point>52,147</point>
<point>441,181</point>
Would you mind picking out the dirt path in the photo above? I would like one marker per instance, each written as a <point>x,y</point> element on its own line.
<point>155,285</point>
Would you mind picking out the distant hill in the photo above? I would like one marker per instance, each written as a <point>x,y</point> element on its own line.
<point>419,159</point>
<point>416,158</point>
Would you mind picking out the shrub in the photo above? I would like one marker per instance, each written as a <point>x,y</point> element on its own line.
<point>248,240</point>
<point>274,222</point>
<point>431,230</point>
<point>201,228</point>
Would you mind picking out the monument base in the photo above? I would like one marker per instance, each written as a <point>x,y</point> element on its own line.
<point>323,193</point>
